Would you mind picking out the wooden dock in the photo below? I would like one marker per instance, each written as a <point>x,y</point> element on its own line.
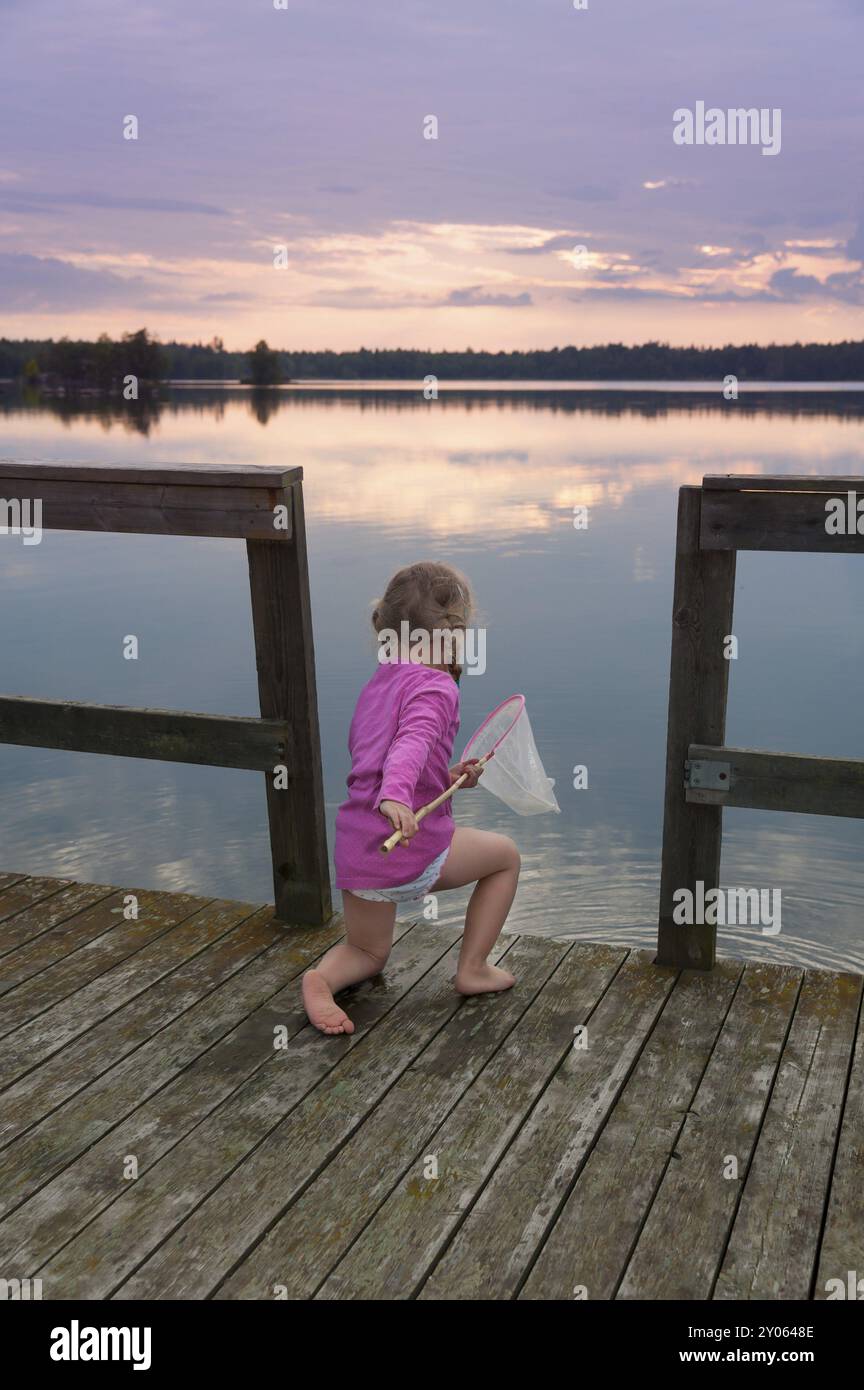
<point>171,1128</point>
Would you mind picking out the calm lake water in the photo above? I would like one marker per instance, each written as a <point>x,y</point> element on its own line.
<point>577,620</point>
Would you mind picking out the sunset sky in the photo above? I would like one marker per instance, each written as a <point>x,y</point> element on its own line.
<point>303,127</point>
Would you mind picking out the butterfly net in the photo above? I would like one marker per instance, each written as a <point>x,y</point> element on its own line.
<point>515,774</point>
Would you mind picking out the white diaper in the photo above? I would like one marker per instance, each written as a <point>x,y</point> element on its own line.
<point>405,892</point>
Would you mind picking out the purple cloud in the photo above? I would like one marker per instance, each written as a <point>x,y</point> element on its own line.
<point>477,298</point>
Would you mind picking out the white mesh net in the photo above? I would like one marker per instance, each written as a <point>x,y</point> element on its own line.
<point>515,774</point>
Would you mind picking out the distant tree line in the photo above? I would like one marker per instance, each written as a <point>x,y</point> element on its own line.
<point>103,365</point>
<point>609,362</point>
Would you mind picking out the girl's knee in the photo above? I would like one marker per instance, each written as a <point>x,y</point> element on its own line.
<point>510,856</point>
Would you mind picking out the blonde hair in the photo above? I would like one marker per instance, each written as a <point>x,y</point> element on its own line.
<point>428,596</point>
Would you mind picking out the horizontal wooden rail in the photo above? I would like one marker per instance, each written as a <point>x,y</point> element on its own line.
<point>779,482</point>
<point>752,513</point>
<point>774,781</point>
<point>153,499</point>
<point>258,745</point>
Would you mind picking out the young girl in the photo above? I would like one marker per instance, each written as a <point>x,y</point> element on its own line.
<point>401,742</point>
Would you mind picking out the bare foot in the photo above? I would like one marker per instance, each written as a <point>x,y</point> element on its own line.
<point>320,1006</point>
<point>482,979</point>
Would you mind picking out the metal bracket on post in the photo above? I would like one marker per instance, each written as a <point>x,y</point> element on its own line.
<point>707,775</point>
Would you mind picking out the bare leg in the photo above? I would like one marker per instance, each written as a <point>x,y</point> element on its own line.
<point>493,862</point>
<point>369,932</point>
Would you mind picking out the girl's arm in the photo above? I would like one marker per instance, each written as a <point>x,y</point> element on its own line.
<point>423,722</point>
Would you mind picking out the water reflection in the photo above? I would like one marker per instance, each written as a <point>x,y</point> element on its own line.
<point>650,401</point>
<point>577,620</point>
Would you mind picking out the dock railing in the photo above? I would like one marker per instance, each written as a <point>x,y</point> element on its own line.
<point>264,507</point>
<point>727,514</point>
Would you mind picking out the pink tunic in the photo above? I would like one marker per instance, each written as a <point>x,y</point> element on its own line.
<point>401,745</point>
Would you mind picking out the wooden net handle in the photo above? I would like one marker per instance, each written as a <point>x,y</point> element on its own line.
<point>393,840</point>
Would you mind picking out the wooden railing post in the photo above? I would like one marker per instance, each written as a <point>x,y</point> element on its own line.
<point>698,685</point>
<point>243,502</point>
<point>282,622</point>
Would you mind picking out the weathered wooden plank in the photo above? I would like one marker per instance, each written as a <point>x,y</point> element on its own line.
<point>151,1100</point>
<point>21,935</point>
<point>681,1246</point>
<point>158,914</point>
<point>269,1130</point>
<point>54,1029</point>
<point>57,927</point>
<point>285,659</point>
<point>590,1243</point>
<point>7,880</point>
<point>240,475</point>
<point>414,1224</point>
<point>499,1239</point>
<point>781,482</point>
<point>25,893</point>
<point>88,1078</point>
<point>698,682</point>
<point>775,1239</point>
<point>304,1245</point>
<point>190,1062</point>
<point>841,1255</point>
<point>782,782</point>
<point>169,735</point>
<point>154,509</point>
<point>776,521</point>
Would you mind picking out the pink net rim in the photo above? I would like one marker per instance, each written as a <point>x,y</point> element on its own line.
<point>488,720</point>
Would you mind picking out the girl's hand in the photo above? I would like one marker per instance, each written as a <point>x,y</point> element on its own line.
<point>401,818</point>
<point>474,773</point>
